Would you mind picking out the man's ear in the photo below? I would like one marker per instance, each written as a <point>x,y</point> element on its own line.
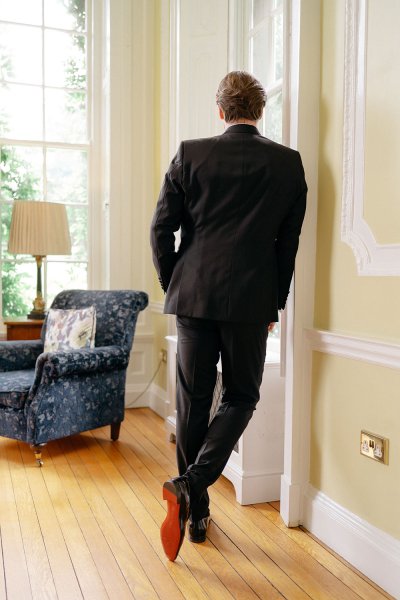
<point>221,113</point>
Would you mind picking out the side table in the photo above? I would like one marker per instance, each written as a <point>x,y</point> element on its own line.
<point>21,328</point>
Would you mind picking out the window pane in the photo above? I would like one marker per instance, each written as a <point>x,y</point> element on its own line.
<point>18,288</point>
<point>260,56</point>
<point>64,276</point>
<point>273,117</point>
<point>22,11</point>
<point>260,10</point>
<point>65,64</point>
<point>65,116</point>
<point>21,112</point>
<point>21,53</point>
<point>21,173</point>
<point>66,176</point>
<point>78,229</point>
<point>70,14</point>
<point>278,46</point>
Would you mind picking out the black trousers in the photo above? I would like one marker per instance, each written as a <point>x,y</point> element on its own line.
<point>204,448</point>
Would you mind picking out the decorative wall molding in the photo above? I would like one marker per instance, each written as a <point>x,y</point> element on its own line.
<point>157,307</point>
<point>369,549</point>
<point>367,350</point>
<point>372,258</point>
<point>155,397</point>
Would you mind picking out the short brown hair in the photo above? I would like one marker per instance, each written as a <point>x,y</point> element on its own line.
<point>241,96</point>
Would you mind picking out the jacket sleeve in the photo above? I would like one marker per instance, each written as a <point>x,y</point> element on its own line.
<point>287,241</point>
<point>167,219</point>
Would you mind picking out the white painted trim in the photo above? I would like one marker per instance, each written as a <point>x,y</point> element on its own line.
<point>174,51</point>
<point>367,350</point>
<point>371,550</point>
<point>372,258</point>
<point>253,487</point>
<point>155,397</point>
<point>147,338</point>
<point>158,400</point>
<point>304,69</point>
<point>132,393</point>
<point>157,307</point>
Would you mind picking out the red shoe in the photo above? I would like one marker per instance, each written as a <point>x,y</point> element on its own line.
<point>176,493</point>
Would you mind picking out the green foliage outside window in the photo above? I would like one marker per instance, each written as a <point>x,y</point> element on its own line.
<point>17,183</point>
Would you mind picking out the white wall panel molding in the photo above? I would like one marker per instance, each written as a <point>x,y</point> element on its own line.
<point>367,350</point>
<point>371,550</point>
<point>372,258</point>
<point>136,396</point>
<point>157,307</point>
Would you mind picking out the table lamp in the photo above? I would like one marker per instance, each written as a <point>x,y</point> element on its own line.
<point>40,229</point>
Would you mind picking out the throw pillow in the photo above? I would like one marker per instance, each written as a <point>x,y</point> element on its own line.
<point>70,329</point>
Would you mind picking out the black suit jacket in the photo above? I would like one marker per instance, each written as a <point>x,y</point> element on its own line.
<point>239,199</point>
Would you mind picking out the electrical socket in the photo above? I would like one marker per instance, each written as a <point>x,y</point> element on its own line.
<point>374,446</point>
<point>163,355</point>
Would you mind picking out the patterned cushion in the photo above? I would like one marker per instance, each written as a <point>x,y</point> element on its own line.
<point>14,387</point>
<point>70,329</point>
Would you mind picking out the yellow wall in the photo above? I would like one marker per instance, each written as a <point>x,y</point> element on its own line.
<point>348,395</point>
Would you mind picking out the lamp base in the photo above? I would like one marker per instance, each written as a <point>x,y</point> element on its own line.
<point>36,315</point>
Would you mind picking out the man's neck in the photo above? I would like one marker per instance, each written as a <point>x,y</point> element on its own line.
<point>240,122</point>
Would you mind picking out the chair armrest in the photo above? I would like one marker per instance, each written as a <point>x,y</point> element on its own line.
<point>19,355</point>
<point>87,360</point>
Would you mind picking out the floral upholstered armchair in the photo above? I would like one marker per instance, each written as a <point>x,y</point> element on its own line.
<point>49,395</point>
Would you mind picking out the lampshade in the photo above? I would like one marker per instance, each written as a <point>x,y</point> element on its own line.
<point>39,228</point>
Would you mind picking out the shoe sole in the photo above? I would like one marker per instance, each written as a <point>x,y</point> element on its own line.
<point>173,528</point>
<point>197,540</point>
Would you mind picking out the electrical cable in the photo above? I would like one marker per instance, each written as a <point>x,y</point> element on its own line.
<point>148,385</point>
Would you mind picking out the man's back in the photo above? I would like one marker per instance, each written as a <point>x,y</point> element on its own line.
<point>240,201</point>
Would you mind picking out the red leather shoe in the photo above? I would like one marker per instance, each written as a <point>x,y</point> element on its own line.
<point>176,493</point>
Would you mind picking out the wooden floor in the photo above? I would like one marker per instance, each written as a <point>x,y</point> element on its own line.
<point>86,525</point>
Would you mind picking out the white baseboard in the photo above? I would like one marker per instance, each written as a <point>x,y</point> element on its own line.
<point>158,400</point>
<point>134,397</point>
<point>370,550</point>
<point>155,398</point>
<point>290,502</point>
<point>251,487</point>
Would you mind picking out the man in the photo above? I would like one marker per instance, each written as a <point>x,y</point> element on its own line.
<point>239,200</point>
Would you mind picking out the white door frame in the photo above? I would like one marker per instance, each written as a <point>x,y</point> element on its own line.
<point>303,89</point>
<point>304,135</point>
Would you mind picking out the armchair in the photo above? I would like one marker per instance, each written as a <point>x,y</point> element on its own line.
<point>47,396</point>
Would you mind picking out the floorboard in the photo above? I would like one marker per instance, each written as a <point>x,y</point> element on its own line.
<point>87,524</point>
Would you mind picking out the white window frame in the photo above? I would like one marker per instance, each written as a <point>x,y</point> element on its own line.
<point>95,36</point>
<point>240,35</point>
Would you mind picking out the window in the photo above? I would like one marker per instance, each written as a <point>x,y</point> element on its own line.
<point>263,55</point>
<point>264,58</point>
<point>45,135</point>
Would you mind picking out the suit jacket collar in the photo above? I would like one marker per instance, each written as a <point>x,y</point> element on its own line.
<point>242,128</point>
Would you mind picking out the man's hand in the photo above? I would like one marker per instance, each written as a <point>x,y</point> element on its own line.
<point>271,326</point>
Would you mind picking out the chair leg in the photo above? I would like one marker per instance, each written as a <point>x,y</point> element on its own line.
<point>115,428</point>
<point>37,450</point>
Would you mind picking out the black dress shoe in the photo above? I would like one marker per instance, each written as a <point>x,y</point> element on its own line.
<point>198,530</point>
<point>176,493</point>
